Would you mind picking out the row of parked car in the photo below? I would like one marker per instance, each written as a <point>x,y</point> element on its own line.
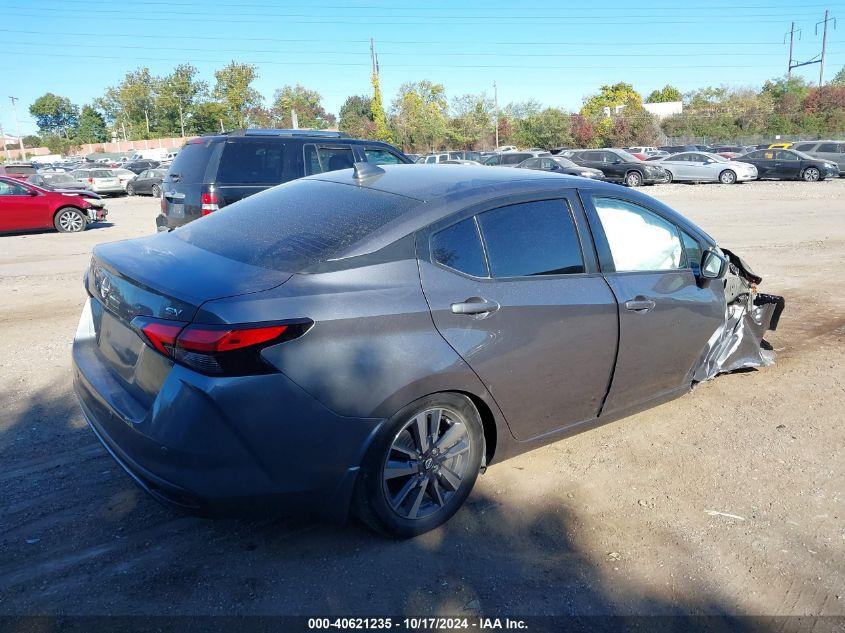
<point>211,172</point>
<point>635,166</point>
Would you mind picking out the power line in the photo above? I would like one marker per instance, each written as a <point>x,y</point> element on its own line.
<point>318,63</point>
<point>368,20</point>
<point>241,51</point>
<point>312,40</point>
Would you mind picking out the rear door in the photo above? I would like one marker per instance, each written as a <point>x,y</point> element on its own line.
<point>512,292</point>
<point>191,171</point>
<point>787,164</point>
<point>834,152</point>
<point>666,316</point>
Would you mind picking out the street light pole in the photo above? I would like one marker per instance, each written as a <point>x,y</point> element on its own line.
<point>496,107</point>
<point>18,126</point>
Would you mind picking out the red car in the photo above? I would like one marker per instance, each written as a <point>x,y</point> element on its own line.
<point>25,207</point>
<point>18,171</point>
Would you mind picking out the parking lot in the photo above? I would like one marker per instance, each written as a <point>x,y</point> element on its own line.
<point>728,500</point>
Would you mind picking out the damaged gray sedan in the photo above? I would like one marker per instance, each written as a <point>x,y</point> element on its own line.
<point>371,339</point>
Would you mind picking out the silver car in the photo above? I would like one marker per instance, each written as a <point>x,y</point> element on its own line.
<point>834,151</point>
<point>706,167</point>
<point>99,180</point>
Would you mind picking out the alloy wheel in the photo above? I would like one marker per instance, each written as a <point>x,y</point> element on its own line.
<point>727,177</point>
<point>811,174</point>
<point>71,221</point>
<point>633,179</point>
<point>426,463</point>
<point>156,191</point>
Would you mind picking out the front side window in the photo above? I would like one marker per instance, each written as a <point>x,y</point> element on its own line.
<point>12,189</point>
<point>808,147</point>
<point>532,238</point>
<point>639,239</point>
<point>322,159</point>
<point>787,155</point>
<point>459,247</point>
<point>693,252</point>
<point>381,157</point>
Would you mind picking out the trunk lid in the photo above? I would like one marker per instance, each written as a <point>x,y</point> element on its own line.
<point>163,276</point>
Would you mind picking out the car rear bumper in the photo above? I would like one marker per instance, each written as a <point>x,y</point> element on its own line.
<point>223,445</point>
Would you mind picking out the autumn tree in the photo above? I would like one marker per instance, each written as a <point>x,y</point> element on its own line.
<point>233,88</point>
<point>419,115</point>
<point>306,103</point>
<point>471,120</point>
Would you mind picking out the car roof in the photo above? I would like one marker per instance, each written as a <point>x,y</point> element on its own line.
<point>436,191</point>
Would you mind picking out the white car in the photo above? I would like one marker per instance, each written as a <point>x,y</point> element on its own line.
<point>643,149</point>
<point>123,175</point>
<point>100,180</point>
<point>705,167</point>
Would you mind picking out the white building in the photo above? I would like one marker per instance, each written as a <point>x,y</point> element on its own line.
<point>663,110</point>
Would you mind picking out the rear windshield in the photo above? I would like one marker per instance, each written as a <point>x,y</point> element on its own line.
<point>23,170</point>
<point>297,225</point>
<point>191,161</point>
<point>101,173</point>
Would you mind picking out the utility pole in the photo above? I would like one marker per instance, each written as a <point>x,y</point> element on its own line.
<point>18,126</point>
<point>496,108</point>
<point>827,19</point>
<point>3,140</point>
<point>791,39</point>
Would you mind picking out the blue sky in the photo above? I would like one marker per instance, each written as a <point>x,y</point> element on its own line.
<point>553,52</point>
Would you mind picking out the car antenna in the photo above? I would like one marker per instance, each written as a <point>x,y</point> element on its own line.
<point>364,170</point>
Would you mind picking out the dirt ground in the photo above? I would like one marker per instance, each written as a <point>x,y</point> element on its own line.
<point>729,500</point>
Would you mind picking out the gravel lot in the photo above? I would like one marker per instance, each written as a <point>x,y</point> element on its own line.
<point>729,500</point>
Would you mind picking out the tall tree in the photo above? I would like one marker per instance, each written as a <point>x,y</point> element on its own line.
<point>356,117</point>
<point>419,115</point>
<point>92,127</point>
<point>178,94</point>
<point>611,99</point>
<point>548,128</point>
<point>130,107</point>
<point>666,94</point>
<point>471,121</point>
<point>234,89</point>
<point>382,130</point>
<point>55,115</point>
<point>839,78</point>
<point>307,104</point>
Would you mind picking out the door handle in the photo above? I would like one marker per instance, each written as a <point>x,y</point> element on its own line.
<point>475,305</point>
<point>639,304</point>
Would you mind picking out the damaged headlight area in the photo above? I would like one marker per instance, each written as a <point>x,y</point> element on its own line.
<point>738,343</point>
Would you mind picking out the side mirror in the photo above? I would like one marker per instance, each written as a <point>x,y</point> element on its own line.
<point>713,265</point>
<point>33,192</point>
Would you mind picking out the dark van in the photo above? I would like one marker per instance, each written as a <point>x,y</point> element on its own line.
<point>211,172</point>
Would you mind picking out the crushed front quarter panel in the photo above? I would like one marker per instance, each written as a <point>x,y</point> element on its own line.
<point>737,344</point>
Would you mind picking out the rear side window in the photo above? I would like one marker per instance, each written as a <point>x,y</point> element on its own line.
<point>251,163</point>
<point>459,247</point>
<point>297,225</point>
<point>831,148</point>
<point>532,238</point>
<point>513,159</point>
<point>639,239</point>
<point>191,162</point>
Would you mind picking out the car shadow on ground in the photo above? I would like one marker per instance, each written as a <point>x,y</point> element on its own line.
<point>80,538</point>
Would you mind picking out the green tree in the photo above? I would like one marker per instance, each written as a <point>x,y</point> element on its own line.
<point>666,94</point>
<point>307,104</point>
<point>472,120</point>
<point>207,117</point>
<point>234,90</point>
<point>58,144</point>
<point>382,130</point>
<point>92,127</point>
<point>548,128</point>
<point>130,107</point>
<point>839,78</point>
<point>179,93</point>
<point>600,108</point>
<point>55,115</point>
<point>356,117</point>
<point>418,115</point>
<point>31,140</point>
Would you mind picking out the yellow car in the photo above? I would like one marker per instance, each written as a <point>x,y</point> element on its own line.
<point>781,145</point>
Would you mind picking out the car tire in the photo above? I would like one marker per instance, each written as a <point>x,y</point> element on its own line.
<point>156,191</point>
<point>670,176</point>
<point>633,179</point>
<point>426,482</point>
<point>728,177</point>
<point>811,174</point>
<point>70,220</point>
<point>130,190</point>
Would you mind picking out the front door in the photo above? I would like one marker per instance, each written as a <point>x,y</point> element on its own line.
<point>510,292</point>
<point>20,209</point>
<point>666,315</point>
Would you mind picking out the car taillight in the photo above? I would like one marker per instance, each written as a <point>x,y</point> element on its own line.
<point>90,181</point>
<point>209,203</point>
<point>230,350</point>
